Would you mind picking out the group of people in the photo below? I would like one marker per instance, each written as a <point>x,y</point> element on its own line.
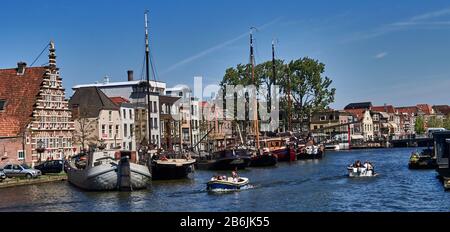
<point>234,175</point>
<point>366,166</point>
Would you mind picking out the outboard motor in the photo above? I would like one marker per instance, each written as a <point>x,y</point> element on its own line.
<point>124,173</point>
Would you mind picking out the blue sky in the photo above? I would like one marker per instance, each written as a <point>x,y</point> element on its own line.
<point>395,52</point>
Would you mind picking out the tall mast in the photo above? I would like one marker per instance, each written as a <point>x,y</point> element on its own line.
<point>147,66</point>
<point>255,111</point>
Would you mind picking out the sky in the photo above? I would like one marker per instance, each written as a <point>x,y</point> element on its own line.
<point>393,52</point>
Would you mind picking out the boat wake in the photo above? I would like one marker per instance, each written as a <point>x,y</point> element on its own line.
<point>232,190</point>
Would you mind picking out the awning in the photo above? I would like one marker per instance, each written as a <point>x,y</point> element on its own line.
<point>356,137</point>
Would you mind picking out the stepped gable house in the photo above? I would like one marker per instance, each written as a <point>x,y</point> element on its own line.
<point>34,113</point>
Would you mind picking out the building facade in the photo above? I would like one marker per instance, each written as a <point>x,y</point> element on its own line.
<point>35,120</point>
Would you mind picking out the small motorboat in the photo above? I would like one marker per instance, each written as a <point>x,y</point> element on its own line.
<point>447,183</point>
<point>227,183</point>
<point>423,160</point>
<point>361,172</point>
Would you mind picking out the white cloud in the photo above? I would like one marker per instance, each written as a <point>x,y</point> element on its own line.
<point>215,48</point>
<point>419,21</point>
<point>381,55</point>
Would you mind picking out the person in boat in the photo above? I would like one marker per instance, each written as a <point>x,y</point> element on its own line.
<point>235,176</point>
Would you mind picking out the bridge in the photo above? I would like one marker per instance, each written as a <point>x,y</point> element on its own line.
<point>415,141</point>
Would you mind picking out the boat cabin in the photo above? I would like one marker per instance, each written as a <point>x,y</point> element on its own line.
<point>442,148</point>
<point>272,144</point>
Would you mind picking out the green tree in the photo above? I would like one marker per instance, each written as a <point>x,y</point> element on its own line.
<point>434,122</point>
<point>310,89</point>
<point>419,126</point>
<point>446,122</point>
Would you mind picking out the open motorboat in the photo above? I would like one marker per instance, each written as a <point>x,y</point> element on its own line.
<point>361,172</point>
<point>103,171</point>
<point>227,183</point>
<point>423,160</point>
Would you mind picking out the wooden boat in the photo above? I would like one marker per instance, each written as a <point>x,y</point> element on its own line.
<point>101,172</point>
<point>169,169</point>
<point>263,159</point>
<point>227,159</point>
<point>279,148</point>
<point>228,183</point>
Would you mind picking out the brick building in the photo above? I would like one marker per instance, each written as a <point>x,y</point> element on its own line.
<point>34,113</point>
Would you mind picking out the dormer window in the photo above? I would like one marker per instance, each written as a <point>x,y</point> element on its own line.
<point>21,68</point>
<point>2,105</point>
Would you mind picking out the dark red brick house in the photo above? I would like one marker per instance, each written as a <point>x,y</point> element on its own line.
<point>34,113</point>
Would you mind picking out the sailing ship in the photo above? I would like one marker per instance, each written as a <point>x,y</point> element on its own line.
<point>162,166</point>
<point>101,171</point>
<point>260,157</point>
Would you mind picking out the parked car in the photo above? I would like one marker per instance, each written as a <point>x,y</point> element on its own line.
<point>2,176</point>
<point>51,166</point>
<point>20,170</point>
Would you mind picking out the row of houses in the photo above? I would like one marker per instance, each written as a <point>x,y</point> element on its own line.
<point>364,121</point>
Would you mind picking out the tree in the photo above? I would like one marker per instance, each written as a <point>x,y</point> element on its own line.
<point>446,122</point>
<point>84,130</point>
<point>310,89</point>
<point>419,126</point>
<point>434,122</point>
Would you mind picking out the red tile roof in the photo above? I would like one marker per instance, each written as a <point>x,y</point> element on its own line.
<point>388,109</point>
<point>410,110</point>
<point>358,113</point>
<point>443,109</point>
<point>20,93</point>
<point>119,100</point>
<point>425,108</point>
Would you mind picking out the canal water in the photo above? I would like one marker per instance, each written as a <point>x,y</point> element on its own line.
<point>302,186</point>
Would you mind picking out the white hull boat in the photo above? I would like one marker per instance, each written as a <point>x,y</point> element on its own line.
<point>360,172</point>
<point>107,174</point>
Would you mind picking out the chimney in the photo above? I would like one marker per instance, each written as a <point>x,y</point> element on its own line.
<point>21,68</point>
<point>130,75</point>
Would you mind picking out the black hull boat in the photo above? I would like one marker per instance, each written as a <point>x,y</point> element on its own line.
<point>172,169</point>
<point>229,159</point>
<point>265,159</point>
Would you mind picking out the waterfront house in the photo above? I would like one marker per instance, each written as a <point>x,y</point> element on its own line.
<point>34,113</point>
<point>442,111</point>
<point>188,108</point>
<point>135,92</point>
<point>334,124</point>
<point>394,122</point>
<point>127,111</point>
<point>97,119</point>
<point>170,128</point>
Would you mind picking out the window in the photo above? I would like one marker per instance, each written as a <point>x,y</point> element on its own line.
<point>131,130</point>
<point>323,118</point>
<point>125,129</point>
<point>2,105</point>
<point>110,131</point>
<point>155,123</point>
<point>9,166</point>
<point>20,155</point>
<point>103,130</point>
<point>131,114</point>
<point>110,116</point>
<point>124,112</point>
<point>117,131</point>
<point>155,108</point>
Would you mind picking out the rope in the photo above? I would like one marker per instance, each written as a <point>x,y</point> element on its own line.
<point>40,54</point>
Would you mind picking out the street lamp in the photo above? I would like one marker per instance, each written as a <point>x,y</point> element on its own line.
<point>40,149</point>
